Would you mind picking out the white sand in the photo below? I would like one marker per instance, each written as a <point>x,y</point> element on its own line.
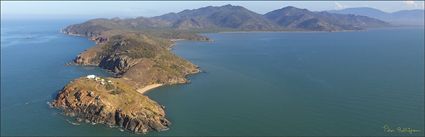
<point>148,87</point>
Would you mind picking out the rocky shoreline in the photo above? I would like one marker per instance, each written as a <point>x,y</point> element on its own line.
<point>137,61</point>
<point>113,104</point>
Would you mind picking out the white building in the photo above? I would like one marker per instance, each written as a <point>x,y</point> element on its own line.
<point>91,76</point>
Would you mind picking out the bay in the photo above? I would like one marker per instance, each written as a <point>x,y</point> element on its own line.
<point>262,83</point>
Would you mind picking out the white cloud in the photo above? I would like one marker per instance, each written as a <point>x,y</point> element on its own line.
<point>339,6</point>
<point>413,4</point>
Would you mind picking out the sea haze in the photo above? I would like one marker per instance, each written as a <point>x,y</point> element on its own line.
<point>286,83</point>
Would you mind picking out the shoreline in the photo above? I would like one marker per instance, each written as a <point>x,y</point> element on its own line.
<point>140,90</point>
<point>148,88</point>
<point>293,31</point>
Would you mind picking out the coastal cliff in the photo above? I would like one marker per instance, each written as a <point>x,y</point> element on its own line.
<point>112,102</point>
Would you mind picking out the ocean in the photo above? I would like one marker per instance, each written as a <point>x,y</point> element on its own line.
<point>258,84</point>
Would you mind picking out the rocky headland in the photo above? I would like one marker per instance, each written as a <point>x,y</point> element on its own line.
<point>138,62</point>
<point>137,52</point>
<point>112,102</point>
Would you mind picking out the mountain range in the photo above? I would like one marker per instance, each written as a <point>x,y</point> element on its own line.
<point>403,17</point>
<point>295,18</point>
<point>224,17</point>
<point>233,18</point>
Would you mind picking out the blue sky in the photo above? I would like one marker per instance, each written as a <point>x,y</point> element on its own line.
<point>80,9</point>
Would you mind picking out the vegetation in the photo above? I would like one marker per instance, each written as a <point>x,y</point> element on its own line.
<point>185,24</point>
<point>302,19</point>
<point>137,51</point>
<point>137,48</point>
<point>112,102</point>
<point>118,93</point>
<point>139,58</point>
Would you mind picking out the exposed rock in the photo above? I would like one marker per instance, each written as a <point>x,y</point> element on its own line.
<point>117,64</point>
<point>88,101</point>
<point>101,39</point>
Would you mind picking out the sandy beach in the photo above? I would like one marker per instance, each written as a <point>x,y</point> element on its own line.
<point>148,87</point>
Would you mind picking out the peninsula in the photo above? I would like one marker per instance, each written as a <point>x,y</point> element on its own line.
<point>137,52</point>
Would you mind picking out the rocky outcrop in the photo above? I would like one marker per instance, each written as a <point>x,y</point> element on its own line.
<point>117,64</point>
<point>85,59</point>
<point>113,61</point>
<point>115,104</point>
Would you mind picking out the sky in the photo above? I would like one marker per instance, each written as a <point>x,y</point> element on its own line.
<point>109,9</point>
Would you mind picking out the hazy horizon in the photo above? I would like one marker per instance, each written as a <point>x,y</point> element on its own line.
<point>128,9</point>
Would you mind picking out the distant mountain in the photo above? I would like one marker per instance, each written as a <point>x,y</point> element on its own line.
<point>404,17</point>
<point>224,17</point>
<point>303,19</point>
<point>365,11</point>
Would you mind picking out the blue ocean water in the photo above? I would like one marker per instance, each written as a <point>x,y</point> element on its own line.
<point>33,69</point>
<point>298,83</point>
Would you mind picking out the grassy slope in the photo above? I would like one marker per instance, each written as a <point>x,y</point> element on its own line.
<point>117,94</point>
<point>149,57</point>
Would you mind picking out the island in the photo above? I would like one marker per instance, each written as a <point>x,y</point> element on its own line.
<point>138,52</point>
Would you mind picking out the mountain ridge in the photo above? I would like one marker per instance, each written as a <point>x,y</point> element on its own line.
<point>402,17</point>
<point>231,18</point>
<point>223,17</point>
<point>303,19</point>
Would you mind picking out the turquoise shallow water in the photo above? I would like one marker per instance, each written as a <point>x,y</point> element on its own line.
<point>342,83</point>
